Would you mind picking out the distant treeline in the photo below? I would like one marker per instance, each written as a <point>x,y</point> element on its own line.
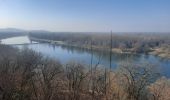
<point>10,34</point>
<point>27,75</point>
<point>131,42</point>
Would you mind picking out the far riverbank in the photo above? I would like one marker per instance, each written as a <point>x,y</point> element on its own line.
<point>161,52</point>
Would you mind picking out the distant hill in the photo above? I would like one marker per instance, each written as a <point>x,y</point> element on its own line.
<point>12,30</point>
<point>15,30</point>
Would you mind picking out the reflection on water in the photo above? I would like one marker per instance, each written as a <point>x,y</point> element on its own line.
<point>66,54</point>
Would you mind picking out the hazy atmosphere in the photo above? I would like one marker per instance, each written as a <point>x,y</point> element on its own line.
<point>84,49</point>
<point>86,15</point>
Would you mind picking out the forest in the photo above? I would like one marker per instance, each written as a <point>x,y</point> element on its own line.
<point>28,75</point>
<point>134,42</point>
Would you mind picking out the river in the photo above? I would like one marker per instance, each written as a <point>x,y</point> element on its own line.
<point>67,54</point>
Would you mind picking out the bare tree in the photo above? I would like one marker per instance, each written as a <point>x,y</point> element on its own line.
<point>135,78</point>
<point>160,90</point>
<point>75,75</point>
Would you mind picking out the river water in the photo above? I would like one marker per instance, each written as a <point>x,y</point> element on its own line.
<point>67,54</point>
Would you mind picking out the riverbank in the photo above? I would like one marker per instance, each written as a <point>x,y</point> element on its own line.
<point>97,48</point>
<point>161,51</point>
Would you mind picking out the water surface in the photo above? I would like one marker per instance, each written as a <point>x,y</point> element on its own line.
<point>66,54</point>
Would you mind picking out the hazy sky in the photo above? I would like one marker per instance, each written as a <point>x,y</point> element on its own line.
<point>86,15</point>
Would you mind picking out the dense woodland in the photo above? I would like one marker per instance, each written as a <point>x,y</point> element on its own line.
<point>27,75</point>
<point>127,42</point>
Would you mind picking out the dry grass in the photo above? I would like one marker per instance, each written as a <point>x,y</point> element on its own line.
<point>163,51</point>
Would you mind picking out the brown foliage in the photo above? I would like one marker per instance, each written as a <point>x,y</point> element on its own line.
<point>27,75</point>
